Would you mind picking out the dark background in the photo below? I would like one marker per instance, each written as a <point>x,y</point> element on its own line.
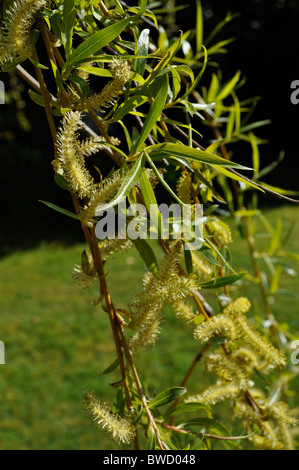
<point>266,49</point>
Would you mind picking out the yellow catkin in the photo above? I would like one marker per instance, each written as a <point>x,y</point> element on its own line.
<point>70,161</point>
<point>166,288</point>
<point>226,369</point>
<point>110,93</point>
<point>102,194</point>
<point>110,246</point>
<point>183,188</point>
<point>281,414</point>
<point>239,307</point>
<point>202,266</point>
<point>262,443</point>
<point>220,326</point>
<point>120,429</point>
<point>245,358</point>
<point>148,334</point>
<point>221,233</point>
<point>184,310</point>
<point>20,17</point>
<point>216,394</point>
<point>259,344</point>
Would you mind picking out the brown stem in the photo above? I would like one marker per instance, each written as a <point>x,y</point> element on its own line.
<point>111,312</point>
<point>46,39</point>
<point>46,97</point>
<point>139,385</point>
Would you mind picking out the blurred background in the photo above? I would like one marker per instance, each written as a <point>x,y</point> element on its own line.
<point>56,342</point>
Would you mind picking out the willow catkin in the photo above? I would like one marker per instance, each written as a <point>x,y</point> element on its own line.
<point>120,429</point>
<point>19,19</point>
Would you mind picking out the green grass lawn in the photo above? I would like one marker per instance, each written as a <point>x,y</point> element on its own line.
<point>57,343</point>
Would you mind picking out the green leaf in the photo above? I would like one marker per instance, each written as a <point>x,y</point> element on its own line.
<point>57,77</point>
<point>61,182</point>
<point>59,209</point>
<point>147,254</point>
<point>166,397</point>
<point>199,76</point>
<point>178,150</point>
<point>206,423</point>
<point>188,260</point>
<point>151,440</point>
<point>162,181</point>
<point>151,201</point>
<point>255,152</point>
<point>199,26</point>
<point>143,42</point>
<point>81,84</point>
<point>111,368</point>
<point>138,99</point>
<point>36,98</point>
<point>189,408</point>
<point>222,281</point>
<point>235,177</point>
<point>94,43</point>
<point>154,113</point>
<point>228,87</point>
<point>67,25</point>
<point>128,183</point>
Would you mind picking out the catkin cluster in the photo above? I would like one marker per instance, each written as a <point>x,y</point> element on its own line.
<point>243,351</point>
<point>167,287</point>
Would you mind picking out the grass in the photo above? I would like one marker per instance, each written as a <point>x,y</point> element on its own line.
<point>57,343</point>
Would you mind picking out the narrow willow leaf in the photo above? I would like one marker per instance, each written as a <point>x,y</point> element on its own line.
<point>188,408</point>
<point>94,43</point>
<point>98,71</point>
<point>228,87</point>
<point>147,254</point>
<point>143,42</point>
<point>199,26</point>
<point>215,249</point>
<point>166,397</point>
<point>111,368</point>
<point>222,281</point>
<point>61,182</point>
<point>59,209</point>
<point>255,153</point>
<point>199,76</point>
<point>239,178</point>
<point>151,201</point>
<point>128,183</point>
<point>57,78</point>
<point>162,181</point>
<point>254,125</point>
<point>81,84</point>
<point>67,25</point>
<point>151,440</point>
<point>284,192</point>
<point>214,87</point>
<point>166,59</point>
<point>139,98</point>
<point>154,113</point>
<point>38,65</point>
<point>268,169</point>
<point>176,82</point>
<point>188,260</point>
<point>178,150</point>
<point>36,98</point>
